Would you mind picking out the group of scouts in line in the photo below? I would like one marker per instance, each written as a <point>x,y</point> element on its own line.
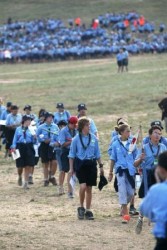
<point>72,143</point>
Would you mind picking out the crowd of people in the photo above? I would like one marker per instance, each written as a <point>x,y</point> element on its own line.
<point>52,39</point>
<point>72,143</point>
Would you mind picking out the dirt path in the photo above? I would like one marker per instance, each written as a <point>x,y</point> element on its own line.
<point>39,219</point>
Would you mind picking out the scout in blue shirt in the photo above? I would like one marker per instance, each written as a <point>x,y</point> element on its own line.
<point>83,156</point>
<point>123,160</point>
<point>13,120</point>
<point>119,57</point>
<point>125,59</point>
<point>162,140</point>
<point>154,205</point>
<point>2,110</point>
<point>147,158</point>
<point>65,139</point>
<point>82,113</point>
<point>23,141</point>
<point>3,127</point>
<point>27,109</point>
<point>61,114</point>
<point>47,153</point>
<point>55,142</point>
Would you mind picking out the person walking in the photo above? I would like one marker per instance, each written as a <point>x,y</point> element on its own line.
<point>23,141</point>
<point>83,157</point>
<point>47,153</point>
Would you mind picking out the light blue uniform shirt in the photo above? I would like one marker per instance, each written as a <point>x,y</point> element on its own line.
<point>61,116</point>
<point>13,119</point>
<point>122,157</point>
<point>119,57</point>
<point>148,162</point>
<point>2,109</point>
<point>66,135</point>
<point>4,114</point>
<point>46,131</point>
<point>77,150</point>
<point>22,135</point>
<point>154,206</point>
<point>54,139</point>
<point>163,140</point>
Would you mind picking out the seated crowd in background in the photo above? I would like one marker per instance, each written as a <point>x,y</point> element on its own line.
<point>51,39</point>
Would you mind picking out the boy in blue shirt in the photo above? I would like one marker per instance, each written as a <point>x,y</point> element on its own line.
<point>83,157</point>
<point>154,205</point>
<point>119,58</point>
<point>61,114</point>
<point>47,153</point>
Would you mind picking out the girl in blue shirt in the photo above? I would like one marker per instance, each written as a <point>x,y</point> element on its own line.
<point>147,158</point>
<point>23,141</point>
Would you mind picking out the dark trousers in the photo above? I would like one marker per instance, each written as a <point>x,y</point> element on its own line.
<point>161,244</point>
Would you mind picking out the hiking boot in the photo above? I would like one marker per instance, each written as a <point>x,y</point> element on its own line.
<point>139,225</point>
<point>70,195</point>
<point>133,210</point>
<point>89,215</point>
<point>53,181</point>
<point>30,180</point>
<point>19,181</point>
<point>46,183</point>
<point>81,213</point>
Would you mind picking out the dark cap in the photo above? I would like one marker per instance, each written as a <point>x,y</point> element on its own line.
<point>26,118</point>
<point>8,104</point>
<point>103,181</point>
<point>14,107</point>
<point>48,114</point>
<point>73,120</point>
<point>27,107</point>
<point>60,105</point>
<point>82,106</point>
<point>62,123</point>
<point>156,123</point>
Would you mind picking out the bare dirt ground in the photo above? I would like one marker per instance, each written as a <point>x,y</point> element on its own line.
<point>39,219</point>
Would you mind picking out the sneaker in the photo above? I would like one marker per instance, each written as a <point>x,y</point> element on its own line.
<point>89,215</point>
<point>81,213</point>
<point>19,181</point>
<point>25,186</point>
<point>133,211</point>
<point>30,180</point>
<point>46,183</point>
<point>124,221</point>
<point>70,195</point>
<point>61,191</point>
<point>53,181</point>
<point>139,225</point>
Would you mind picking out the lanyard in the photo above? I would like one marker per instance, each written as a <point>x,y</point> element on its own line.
<point>72,132</point>
<point>24,129</point>
<point>121,144</point>
<point>155,155</point>
<point>85,147</point>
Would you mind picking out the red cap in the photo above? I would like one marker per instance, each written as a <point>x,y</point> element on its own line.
<point>73,120</point>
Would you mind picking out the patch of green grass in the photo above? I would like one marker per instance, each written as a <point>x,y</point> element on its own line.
<point>107,94</point>
<point>87,9</point>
